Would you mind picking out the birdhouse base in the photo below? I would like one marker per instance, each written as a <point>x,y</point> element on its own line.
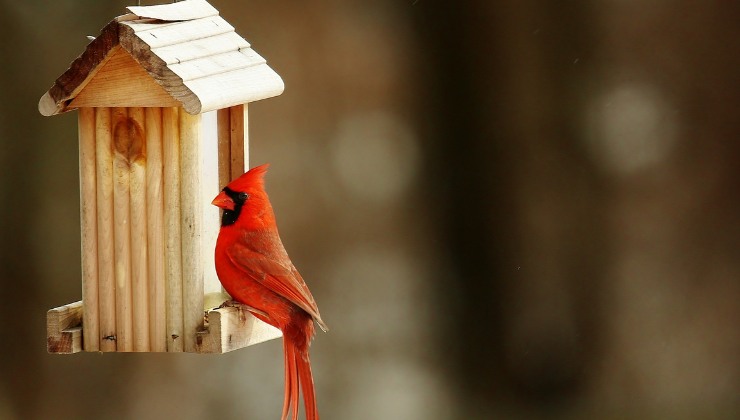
<point>225,329</point>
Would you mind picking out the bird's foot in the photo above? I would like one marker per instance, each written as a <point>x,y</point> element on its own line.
<point>239,305</point>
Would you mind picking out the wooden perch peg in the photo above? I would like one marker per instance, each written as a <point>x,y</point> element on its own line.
<point>233,327</point>
<point>64,329</point>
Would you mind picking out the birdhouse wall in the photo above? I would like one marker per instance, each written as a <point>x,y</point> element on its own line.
<point>148,232</point>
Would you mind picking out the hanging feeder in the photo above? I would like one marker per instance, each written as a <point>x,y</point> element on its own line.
<point>161,96</point>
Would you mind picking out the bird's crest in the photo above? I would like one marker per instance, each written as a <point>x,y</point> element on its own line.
<point>253,178</point>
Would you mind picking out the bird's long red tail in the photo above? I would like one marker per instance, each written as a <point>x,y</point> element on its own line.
<point>298,375</point>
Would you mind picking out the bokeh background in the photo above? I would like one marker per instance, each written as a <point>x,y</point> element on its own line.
<point>505,209</point>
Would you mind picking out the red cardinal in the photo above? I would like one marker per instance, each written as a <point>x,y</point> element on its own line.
<point>255,269</point>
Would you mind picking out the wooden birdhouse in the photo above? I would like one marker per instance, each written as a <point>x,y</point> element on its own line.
<point>161,96</point>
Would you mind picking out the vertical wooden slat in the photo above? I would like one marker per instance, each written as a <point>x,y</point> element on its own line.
<point>139,278</point>
<point>245,137</point>
<point>223,123</point>
<point>173,252</point>
<point>209,187</point>
<point>122,140</point>
<point>155,231</point>
<point>191,216</point>
<point>237,118</point>
<point>106,270</point>
<point>233,143</point>
<point>88,222</point>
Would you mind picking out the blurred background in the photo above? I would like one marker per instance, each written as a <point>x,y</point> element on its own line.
<point>505,209</point>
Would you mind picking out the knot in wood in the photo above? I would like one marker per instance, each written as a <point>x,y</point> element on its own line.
<point>128,139</point>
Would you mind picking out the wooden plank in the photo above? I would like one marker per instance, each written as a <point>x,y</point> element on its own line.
<point>88,223</point>
<point>106,270</point>
<point>233,328</point>
<point>216,64</point>
<point>182,32</point>
<point>201,48</point>
<point>209,187</point>
<point>121,81</point>
<point>236,122</point>
<point>155,231</point>
<point>191,217</point>
<point>223,131</point>
<point>184,10</point>
<point>64,332</point>
<point>246,85</point>
<point>224,146</point>
<point>172,235</point>
<point>139,269</point>
<point>122,144</point>
<point>245,137</point>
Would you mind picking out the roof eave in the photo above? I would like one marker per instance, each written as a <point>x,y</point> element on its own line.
<point>82,69</point>
<point>158,70</point>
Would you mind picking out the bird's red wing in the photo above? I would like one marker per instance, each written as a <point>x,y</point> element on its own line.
<point>267,262</point>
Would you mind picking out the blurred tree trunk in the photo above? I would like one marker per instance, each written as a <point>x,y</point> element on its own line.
<point>533,218</point>
<point>518,202</point>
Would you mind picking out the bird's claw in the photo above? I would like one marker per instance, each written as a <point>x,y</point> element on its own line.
<point>239,305</point>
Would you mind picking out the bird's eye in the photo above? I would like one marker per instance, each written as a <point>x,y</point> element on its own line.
<point>243,196</point>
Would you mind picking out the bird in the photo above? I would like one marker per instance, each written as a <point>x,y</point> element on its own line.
<point>255,269</point>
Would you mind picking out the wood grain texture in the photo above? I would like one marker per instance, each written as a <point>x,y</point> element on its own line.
<point>137,158</point>
<point>64,332</point>
<point>223,123</point>
<point>89,228</point>
<point>106,255</point>
<point>210,66</point>
<point>158,69</point>
<point>245,85</point>
<point>123,143</point>
<point>122,82</point>
<point>192,222</point>
<point>172,226</point>
<point>183,32</point>
<point>245,137</point>
<point>232,328</point>
<point>155,231</point>
<point>81,71</point>
<point>205,52</point>
<point>209,187</point>
<point>237,119</point>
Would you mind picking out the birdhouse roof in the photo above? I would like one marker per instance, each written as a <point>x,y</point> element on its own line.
<point>176,54</point>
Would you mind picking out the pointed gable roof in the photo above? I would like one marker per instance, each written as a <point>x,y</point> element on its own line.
<point>173,54</point>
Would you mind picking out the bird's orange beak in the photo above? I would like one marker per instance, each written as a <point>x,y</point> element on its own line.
<point>223,201</point>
